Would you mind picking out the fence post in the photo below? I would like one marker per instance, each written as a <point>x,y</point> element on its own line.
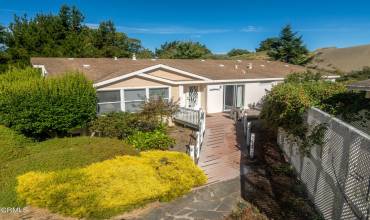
<point>251,148</point>
<point>249,125</point>
<point>245,121</point>
<point>197,147</point>
<point>191,152</point>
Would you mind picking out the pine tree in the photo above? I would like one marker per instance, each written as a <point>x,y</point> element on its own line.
<point>289,48</point>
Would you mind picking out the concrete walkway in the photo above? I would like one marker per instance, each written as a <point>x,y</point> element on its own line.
<point>211,202</point>
<point>220,156</point>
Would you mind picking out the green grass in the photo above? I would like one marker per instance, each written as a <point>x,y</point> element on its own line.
<point>19,155</point>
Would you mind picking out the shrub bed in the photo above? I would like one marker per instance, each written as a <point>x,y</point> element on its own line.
<point>122,124</point>
<point>45,107</point>
<point>19,155</point>
<point>104,189</point>
<point>155,140</point>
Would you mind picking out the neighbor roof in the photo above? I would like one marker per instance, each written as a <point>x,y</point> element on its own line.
<point>361,85</point>
<point>101,69</point>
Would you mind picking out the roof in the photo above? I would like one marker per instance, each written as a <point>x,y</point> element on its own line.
<point>361,85</point>
<point>101,69</point>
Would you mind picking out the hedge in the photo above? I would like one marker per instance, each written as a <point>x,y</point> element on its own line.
<point>45,107</point>
<point>104,189</point>
<point>287,103</point>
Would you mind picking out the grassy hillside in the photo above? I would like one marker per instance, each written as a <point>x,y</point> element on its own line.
<point>341,59</point>
<point>19,155</point>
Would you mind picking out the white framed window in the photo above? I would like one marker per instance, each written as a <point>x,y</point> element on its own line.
<point>129,99</point>
<point>134,99</point>
<point>109,101</point>
<point>156,93</point>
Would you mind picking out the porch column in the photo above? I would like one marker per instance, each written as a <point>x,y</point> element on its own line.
<point>181,96</point>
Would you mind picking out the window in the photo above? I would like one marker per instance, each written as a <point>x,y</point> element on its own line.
<point>155,93</point>
<point>109,101</point>
<point>134,99</point>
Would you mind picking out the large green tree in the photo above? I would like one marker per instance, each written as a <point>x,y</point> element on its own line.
<point>288,47</point>
<point>63,35</point>
<point>182,50</point>
<point>266,45</point>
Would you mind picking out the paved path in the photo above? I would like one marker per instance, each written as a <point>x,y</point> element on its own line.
<point>211,202</point>
<point>221,152</point>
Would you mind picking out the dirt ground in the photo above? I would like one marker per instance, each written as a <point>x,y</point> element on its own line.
<point>182,136</point>
<point>271,184</point>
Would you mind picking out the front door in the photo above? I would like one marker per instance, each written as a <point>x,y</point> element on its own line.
<point>192,99</point>
<point>233,96</point>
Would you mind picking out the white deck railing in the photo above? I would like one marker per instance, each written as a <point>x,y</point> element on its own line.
<point>195,119</point>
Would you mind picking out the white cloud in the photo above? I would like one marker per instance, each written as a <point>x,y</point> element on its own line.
<point>251,28</point>
<point>196,32</point>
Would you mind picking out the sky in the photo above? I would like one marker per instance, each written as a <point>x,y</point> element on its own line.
<point>221,25</point>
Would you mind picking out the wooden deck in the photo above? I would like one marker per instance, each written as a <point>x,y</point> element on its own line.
<point>222,148</point>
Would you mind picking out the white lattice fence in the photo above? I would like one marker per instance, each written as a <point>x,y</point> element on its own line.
<point>336,175</point>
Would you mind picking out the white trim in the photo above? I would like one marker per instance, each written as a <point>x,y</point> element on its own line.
<point>230,81</point>
<point>143,71</point>
<point>183,72</point>
<point>138,87</point>
<point>155,78</point>
<point>44,72</point>
<point>181,96</point>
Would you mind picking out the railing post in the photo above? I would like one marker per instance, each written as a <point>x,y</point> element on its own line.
<point>251,148</point>
<point>248,138</point>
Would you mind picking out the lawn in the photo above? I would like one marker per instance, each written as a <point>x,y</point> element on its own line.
<point>19,155</point>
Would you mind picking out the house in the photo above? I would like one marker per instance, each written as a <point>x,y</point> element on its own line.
<point>361,86</point>
<point>213,85</point>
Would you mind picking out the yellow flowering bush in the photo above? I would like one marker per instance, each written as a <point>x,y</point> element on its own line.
<point>107,188</point>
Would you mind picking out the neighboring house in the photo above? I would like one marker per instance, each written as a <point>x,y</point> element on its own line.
<point>361,86</point>
<point>213,85</point>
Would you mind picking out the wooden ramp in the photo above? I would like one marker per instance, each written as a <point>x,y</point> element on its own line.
<point>221,152</point>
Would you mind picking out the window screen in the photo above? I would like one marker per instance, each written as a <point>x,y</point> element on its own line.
<point>159,92</point>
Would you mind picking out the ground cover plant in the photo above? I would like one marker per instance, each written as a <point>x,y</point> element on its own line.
<point>19,155</point>
<point>104,189</point>
<point>41,107</point>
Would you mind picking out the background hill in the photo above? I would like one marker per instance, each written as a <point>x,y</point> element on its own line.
<point>341,59</point>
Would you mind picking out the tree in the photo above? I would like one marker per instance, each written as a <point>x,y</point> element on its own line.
<point>237,52</point>
<point>182,50</point>
<point>288,47</point>
<point>63,35</point>
<point>145,54</point>
<point>265,45</point>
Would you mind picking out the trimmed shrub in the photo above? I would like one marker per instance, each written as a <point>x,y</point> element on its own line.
<point>45,107</point>
<point>107,188</point>
<point>155,140</point>
<point>122,124</point>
